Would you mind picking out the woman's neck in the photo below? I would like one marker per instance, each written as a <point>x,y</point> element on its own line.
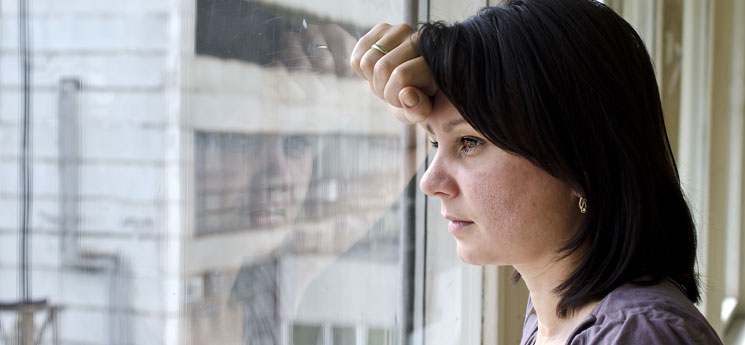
<point>541,280</point>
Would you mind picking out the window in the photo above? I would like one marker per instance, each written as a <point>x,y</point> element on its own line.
<point>195,175</point>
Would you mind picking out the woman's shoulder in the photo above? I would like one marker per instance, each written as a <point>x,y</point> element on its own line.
<point>646,314</point>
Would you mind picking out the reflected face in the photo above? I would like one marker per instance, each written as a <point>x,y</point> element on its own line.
<point>500,208</point>
<point>268,188</point>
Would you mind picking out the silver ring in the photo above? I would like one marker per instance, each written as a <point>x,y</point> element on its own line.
<point>312,49</point>
<point>380,48</point>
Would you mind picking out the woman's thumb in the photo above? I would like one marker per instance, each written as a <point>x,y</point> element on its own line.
<point>416,104</point>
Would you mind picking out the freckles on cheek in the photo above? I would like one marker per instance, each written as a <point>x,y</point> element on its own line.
<point>494,200</point>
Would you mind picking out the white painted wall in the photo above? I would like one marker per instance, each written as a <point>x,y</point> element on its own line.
<point>118,50</point>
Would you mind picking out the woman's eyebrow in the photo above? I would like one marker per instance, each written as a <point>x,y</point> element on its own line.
<point>429,129</point>
<point>447,127</point>
<point>450,125</point>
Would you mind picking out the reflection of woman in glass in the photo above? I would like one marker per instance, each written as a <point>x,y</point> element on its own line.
<point>253,181</point>
<point>279,181</point>
<point>552,156</point>
<point>264,181</point>
<point>291,194</point>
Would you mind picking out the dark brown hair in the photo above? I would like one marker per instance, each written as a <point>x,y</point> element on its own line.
<point>569,85</point>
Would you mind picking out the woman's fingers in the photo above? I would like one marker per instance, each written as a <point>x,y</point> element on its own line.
<point>388,59</point>
<point>416,113</point>
<point>294,55</point>
<point>386,64</point>
<point>364,44</point>
<point>340,43</point>
<point>416,104</point>
<point>394,47</point>
<point>387,37</point>
<point>414,73</point>
<point>317,49</point>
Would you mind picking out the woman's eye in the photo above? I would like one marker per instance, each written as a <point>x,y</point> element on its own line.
<point>434,144</point>
<point>467,144</point>
<point>297,146</point>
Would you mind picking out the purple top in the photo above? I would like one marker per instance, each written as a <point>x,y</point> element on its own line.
<point>633,314</point>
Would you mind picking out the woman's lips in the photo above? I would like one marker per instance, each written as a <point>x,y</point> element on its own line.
<point>267,217</point>
<point>458,226</point>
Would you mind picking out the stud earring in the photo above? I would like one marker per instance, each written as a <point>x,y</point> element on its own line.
<point>582,205</point>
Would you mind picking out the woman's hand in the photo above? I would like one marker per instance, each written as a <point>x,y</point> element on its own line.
<point>388,58</point>
<point>324,48</point>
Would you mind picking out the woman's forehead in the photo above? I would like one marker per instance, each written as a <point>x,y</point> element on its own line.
<point>444,117</point>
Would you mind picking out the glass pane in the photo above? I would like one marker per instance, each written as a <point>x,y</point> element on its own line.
<point>307,335</point>
<point>379,336</point>
<point>345,336</point>
<point>197,172</point>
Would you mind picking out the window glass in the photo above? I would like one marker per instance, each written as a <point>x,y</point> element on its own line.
<point>199,172</point>
<point>344,336</point>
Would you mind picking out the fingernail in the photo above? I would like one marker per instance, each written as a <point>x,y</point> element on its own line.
<point>410,99</point>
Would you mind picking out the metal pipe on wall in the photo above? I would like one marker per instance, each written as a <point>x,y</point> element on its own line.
<point>68,148</point>
<point>25,164</point>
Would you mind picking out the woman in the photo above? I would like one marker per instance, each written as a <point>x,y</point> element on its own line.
<point>552,157</point>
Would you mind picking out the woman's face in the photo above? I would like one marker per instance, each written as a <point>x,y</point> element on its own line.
<point>501,208</point>
<point>268,178</point>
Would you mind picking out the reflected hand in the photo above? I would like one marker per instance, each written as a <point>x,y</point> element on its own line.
<point>387,57</point>
<point>324,48</point>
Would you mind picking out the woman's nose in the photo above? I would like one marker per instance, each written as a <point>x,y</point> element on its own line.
<point>438,181</point>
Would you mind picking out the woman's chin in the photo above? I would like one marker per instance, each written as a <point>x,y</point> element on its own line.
<point>477,258</point>
<point>468,256</point>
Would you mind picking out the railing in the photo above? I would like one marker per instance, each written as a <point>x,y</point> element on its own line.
<point>26,330</point>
